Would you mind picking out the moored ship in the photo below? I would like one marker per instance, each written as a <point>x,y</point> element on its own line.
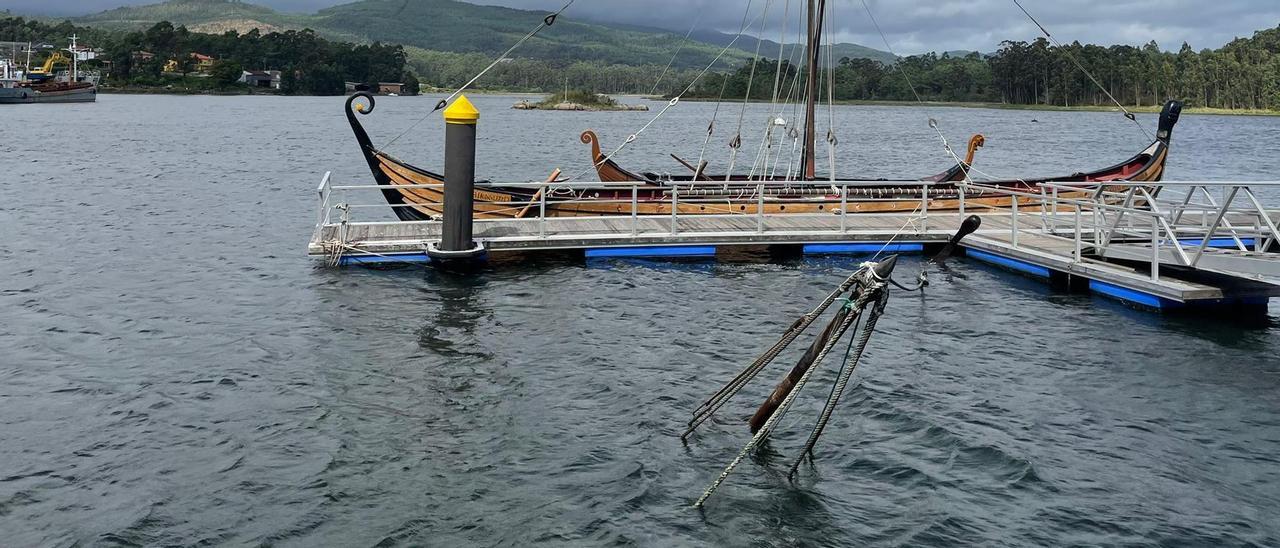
<point>72,86</point>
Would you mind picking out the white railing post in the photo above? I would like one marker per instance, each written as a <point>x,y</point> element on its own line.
<point>675,206</point>
<point>924,209</point>
<point>960,191</point>
<point>760,208</point>
<point>542,215</point>
<point>1014,218</point>
<point>1078,229</point>
<point>322,216</point>
<point>1155,250</point>
<point>1055,210</point>
<point>844,208</point>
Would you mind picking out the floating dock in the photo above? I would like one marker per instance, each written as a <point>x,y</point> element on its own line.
<point>1161,247</point>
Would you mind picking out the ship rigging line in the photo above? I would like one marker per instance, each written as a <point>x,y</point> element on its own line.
<point>932,122</point>
<point>1086,72</point>
<point>674,100</point>
<point>546,22</point>
<point>736,142</point>
<point>683,42</point>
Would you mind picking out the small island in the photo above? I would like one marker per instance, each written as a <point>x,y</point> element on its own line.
<point>577,100</point>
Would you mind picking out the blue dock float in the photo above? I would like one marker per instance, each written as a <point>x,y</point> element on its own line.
<point>1016,265</point>
<point>861,248</point>
<point>384,259</point>
<point>653,251</point>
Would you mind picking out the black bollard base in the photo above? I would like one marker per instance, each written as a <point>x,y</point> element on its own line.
<point>476,253</point>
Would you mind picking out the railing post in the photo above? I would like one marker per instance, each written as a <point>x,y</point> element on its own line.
<point>844,208</point>
<point>924,209</point>
<point>760,208</point>
<point>635,210</point>
<point>322,216</point>
<point>1055,210</point>
<point>1155,250</point>
<point>960,190</point>
<point>675,206</point>
<point>1078,229</point>
<point>1014,223</point>
<point>542,215</point>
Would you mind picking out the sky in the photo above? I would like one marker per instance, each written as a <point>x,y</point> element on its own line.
<point>911,26</point>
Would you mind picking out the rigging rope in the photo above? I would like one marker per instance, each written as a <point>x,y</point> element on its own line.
<point>1086,72</point>
<point>846,371</point>
<point>546,22</point>
<point>898,65</point>
<point>674,100</point>
<point>683,42</point>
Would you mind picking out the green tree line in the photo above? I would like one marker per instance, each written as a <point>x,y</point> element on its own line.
<point>308,63</point>
<point>1244,74</point>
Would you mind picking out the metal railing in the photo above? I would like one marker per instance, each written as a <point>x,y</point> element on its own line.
<point>1180,221</point>
<point>1182,227</point>
<point>637,201</point>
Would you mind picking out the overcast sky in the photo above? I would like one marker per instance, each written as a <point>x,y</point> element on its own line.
<point>912,26</point>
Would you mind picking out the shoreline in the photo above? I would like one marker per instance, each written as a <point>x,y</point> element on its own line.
<point>1152,109</point>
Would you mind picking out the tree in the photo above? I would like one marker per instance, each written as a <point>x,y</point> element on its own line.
<point>411,85</point>
<point>225,73</point>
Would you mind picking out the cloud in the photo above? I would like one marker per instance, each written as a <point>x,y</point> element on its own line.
<point>911,26</point>
<point>917,26</point>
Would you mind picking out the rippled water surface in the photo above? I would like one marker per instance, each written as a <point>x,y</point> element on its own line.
<point>175,370</point>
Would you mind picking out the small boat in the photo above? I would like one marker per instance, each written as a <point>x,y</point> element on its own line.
<point>735,196</point>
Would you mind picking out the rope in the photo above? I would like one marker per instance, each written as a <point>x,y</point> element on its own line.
<point>711,126</point>
<point>546,22</point>
<point>846,372</point>
<point>898,66</point>
<point>722,396</point>
<point>1086,72</point>
<point>765,430</point>
<point>674,100</point>
<point>684,41</point>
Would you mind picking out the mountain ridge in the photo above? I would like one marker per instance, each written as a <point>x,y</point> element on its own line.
<point>471,28</point>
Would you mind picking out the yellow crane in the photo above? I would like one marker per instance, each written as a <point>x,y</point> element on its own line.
<point>45,71</point>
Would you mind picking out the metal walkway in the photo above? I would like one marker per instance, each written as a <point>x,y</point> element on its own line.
<point>1159,247</point>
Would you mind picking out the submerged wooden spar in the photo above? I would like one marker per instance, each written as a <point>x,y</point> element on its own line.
<point>735,196</point>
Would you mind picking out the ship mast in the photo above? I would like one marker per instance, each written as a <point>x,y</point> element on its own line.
<point>816,10</point>
<point>75,57</point>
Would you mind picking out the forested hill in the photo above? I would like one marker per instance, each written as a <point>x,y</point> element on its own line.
<point>1242,75</point>
<point>459,27</point>
<point>769,48</point>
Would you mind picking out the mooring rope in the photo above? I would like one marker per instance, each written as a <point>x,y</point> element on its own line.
<point>546,22</point>
<point>1086,72</point>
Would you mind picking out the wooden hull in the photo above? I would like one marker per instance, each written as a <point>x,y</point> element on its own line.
<point>653,197</point>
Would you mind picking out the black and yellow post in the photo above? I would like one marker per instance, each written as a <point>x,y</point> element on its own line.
<point>459,183</point>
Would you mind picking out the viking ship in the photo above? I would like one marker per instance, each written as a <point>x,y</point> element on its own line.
<point>417,194</point>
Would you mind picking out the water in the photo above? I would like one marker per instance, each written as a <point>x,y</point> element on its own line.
<point>176,371</point>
